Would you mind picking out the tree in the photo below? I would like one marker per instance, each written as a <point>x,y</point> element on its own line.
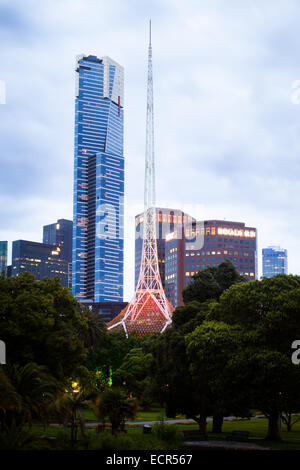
<point>93,333</point>
<point>70,404</point>
<point>209,348</point>
<point>177,388</point>
<point>269,312</point>
<point>211,282</point>
<point>25,393</point>
<point>40,322</point>
<point>187,317</point>
<point>108,356</point>
<point>186,393</point>
<point>134,375</point>
<point>115,405</point>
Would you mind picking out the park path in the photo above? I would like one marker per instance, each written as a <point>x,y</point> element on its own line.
<point>222,445</point>
<point>171,421</point>
<point>166,421</point>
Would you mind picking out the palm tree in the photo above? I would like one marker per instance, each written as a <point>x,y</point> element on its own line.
<point>95,330</point>
<point>25,393</point>
<point>116,406</point>
<point>10,400</point>
<point>18,438</point>
<point>70,405</point>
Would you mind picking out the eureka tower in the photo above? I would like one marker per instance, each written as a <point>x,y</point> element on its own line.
<point>98,208</point>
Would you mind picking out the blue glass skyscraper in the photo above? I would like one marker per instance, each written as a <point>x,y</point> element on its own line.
<point>274,261</point>
<point>97,252</point>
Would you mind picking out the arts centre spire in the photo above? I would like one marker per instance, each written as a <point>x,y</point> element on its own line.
<point>149,310</point>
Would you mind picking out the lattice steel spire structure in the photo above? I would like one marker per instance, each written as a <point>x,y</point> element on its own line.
<point>149,310</point>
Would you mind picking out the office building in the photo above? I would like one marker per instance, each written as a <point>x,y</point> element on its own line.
<point>274,261</point>
<point>3,257</point>
<point>107,310</point>
<point>39,259</point>
<point>208,243</point>
<point>97,258</point>
<point>60,234</point>
<point>167,221</point>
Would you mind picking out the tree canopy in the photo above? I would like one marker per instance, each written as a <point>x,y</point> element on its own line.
<point>211,282</point>
<point>40,322</point>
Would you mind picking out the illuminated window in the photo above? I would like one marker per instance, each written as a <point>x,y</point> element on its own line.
<point>213,230</point>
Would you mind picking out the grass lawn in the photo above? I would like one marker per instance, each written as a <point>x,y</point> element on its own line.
<point>257,428</point>
<point>155,414</point>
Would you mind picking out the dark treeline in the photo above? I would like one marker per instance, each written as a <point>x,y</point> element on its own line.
<point>228,352</point>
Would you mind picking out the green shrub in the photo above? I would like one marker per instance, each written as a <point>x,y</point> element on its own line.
<point>120,441</point>
<point>19,438</point>
<point>107,441</point>
<point>167,433</point>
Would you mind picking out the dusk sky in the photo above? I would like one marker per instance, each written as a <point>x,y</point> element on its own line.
<point>227,118</point>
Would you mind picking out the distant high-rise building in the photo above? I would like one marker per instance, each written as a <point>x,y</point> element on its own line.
<point>274,261</point>
<point>39,259</point>
<point>97,260</point>
<point>207,243</point>
<point>3,257</point>
<point>60,234</point>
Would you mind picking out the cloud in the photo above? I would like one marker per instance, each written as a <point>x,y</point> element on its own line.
<point>226,130</point>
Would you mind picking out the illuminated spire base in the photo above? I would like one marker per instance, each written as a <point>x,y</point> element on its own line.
<point>146,317</point>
